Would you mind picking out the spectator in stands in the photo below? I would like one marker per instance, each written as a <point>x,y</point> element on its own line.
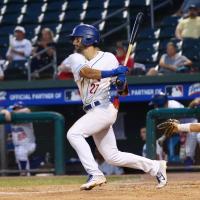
<point>19,50</point>
<point>185,6</point>
<point>121,55</point>
<point>160,155</point>
<point>2,63</point>
<point>189,27</point>
<point>171,62</point>
<point>45,41</point>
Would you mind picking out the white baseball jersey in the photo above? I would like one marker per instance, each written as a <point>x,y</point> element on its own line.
<point>23,46</point>
<point>92,90</point>
<point>174,104</point>
<point>22,134</point>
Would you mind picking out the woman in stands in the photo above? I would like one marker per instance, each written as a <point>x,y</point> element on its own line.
<point>45,41</point>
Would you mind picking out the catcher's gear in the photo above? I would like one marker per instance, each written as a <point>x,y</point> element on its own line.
<point>121,84</point>
<point>168,127</point>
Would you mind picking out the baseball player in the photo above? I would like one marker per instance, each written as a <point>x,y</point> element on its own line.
<point>173,126</point>
<point>93,70</point>
<point>191,126</point>
<point>23,137</point>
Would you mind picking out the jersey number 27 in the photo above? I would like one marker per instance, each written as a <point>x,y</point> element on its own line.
<point>93,88</point>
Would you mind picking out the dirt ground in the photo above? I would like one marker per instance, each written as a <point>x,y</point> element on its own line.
<point>181,186</point>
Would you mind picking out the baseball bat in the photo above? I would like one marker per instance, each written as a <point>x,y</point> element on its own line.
<point>133,35</point>
<point>134,32</point>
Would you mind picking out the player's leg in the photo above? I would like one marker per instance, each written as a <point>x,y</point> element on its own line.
<point>93,122</point>
<point>190,147</point>
<point>21,155</point>
<point>106,143</point>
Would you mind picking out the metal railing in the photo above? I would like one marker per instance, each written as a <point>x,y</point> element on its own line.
<point>53,64</point>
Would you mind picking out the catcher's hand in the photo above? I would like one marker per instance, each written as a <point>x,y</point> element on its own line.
<point>169,127</point>
<point>121,85</point>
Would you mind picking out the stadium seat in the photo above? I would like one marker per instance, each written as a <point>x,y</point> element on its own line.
<point>167,32</point>
<point>148,45</point>
<point>170,21</point>
<point>67,27</point>
<point>93,15</point>
<point>94,4</point>
<point>148,34</point>
<point>51,17</point>
<point>13,8</point>
<point>191,43</point>
<point>9,19</point>
<point>146,57</point>
<point>54,6</point>
<point>75,4</point>
<point>116,4</point>
<point>6,30</point>
<point>72,15</point>
<point>140,3</point>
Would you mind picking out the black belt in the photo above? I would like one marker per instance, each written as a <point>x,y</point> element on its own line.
<point>92,105</point>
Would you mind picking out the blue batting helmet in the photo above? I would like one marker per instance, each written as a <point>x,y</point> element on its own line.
<point>88,32</point>
<point>159,100</point>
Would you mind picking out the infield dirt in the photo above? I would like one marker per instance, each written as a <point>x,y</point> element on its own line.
<point>181,186</point>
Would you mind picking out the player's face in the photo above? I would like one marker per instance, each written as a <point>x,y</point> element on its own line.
<point>77,44</point>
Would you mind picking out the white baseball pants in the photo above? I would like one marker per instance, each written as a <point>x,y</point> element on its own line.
<point>23,151</point>
<point>97,123</point>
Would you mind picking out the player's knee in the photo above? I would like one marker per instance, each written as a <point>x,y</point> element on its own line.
<point>112,158</point>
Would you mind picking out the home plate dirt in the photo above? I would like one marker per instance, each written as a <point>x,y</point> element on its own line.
<point>181,186</point>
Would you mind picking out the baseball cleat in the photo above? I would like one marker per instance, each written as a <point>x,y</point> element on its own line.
<point>93,181</point>
<point>162,175</point>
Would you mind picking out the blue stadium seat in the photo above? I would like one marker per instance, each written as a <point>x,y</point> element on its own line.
<point>14,7</point>
<point>149,45</point>
<point>72,15</point>
<point>170,21</point>
<point>146,57</point>
<point>67,27</point>
<point>141,3</point>
<point>51,17</point>
<point>116,4</point>
<point>4,40</point>
<point>95,4</point>
<point>54,6</point>
<point>5,30</point>
<point>75,4</point>
<point>93,15</point>
<point>191,43</point>
<point>10,18</point>
<point>148,34</point>
<point>167,32</point>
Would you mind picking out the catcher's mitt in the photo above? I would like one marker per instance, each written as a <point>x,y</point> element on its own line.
<point>168,127</point>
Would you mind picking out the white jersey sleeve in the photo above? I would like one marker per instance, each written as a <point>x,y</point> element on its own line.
<point>74,63</point>
<point>28,48</point>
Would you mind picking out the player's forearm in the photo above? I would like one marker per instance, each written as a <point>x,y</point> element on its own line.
<point>189,127</point>
<point>89,73</point>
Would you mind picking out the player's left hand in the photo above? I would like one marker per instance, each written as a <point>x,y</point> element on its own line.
<point>169,127</point>
<point>121,70</point>
<point>121,84</point>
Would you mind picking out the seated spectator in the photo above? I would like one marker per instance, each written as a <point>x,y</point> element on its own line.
<point>2,63</point>
<point>171,62</point>
<point>121,55</point>
<point>189,27</point>
<point>19,50</point>
<point>183,11</point>
<point>160,154</point>
<point>45,41</point>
